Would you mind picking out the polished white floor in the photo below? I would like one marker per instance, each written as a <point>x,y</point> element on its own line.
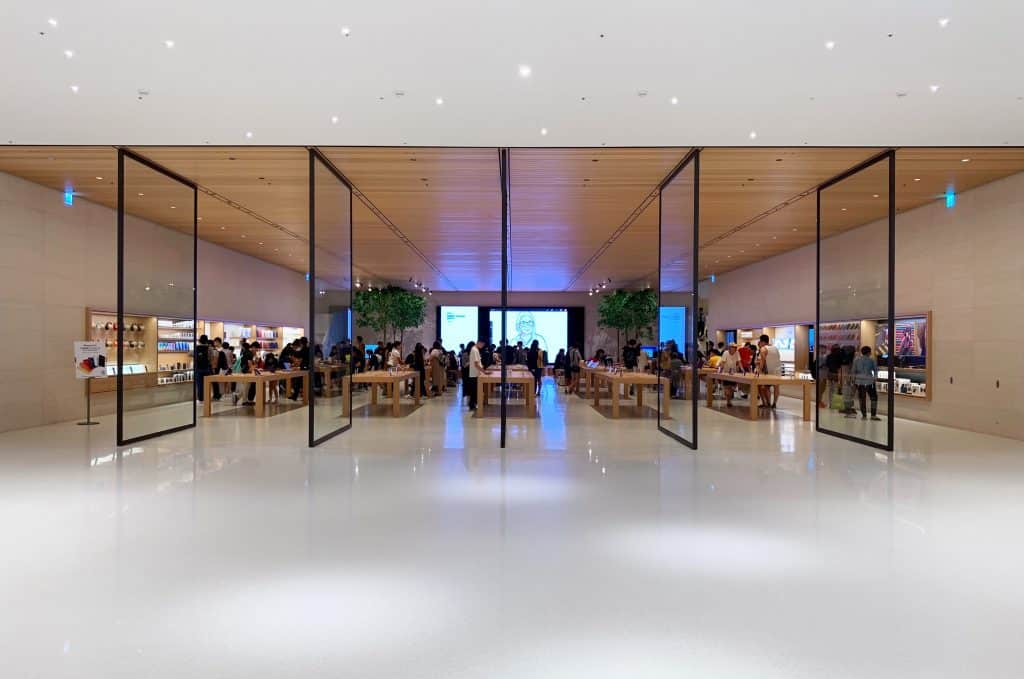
<point>587,549</point>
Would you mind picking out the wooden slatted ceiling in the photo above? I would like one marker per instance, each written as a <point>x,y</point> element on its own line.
<point>559,220</point>
<point>922,176</point>
<point>566,203</point>
<point>446,201</point>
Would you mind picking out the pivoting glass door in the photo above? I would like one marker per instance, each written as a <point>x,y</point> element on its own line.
<point>675,363</point>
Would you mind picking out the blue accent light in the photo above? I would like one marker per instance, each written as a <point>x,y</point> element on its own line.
<point>307,276</point>
<point>950,198</point>
<point>69,197</point>
<point>712,278</point>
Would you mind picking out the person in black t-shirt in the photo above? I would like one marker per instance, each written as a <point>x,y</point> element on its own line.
<point>249,353</point>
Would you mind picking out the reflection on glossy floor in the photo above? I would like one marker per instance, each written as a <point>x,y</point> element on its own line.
<point>589,548</point>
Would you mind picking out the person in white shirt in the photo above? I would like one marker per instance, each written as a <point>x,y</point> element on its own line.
<point>730,364</point>
<point>769,362</point>
<point>395,355</point>
<point>476,367</point>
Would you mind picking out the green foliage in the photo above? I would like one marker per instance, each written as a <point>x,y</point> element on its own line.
<point>389,310</point>
<point>630,312</point>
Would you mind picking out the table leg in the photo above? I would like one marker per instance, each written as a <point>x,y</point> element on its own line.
<point>261,397</point>
<point>592,386</point>
<point>640,396</point>
<point>373,393</point>
<point>416,387</point>
<point>207,395</point>
<point>666,403</point>
<point>305,389</point>
<point>531,399</point>
<point>614,388</point>
<point>346,396</point>
<point>753,402</point>
<point>711,390</point>
<point>396,399</point>
<point>807,402</point>
<point>480,396</point>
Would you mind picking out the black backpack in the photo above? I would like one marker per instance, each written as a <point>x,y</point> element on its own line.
<point>203,357</point>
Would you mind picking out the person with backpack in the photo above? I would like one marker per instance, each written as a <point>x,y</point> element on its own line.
<point>203,357</point>
<point>572,369</point>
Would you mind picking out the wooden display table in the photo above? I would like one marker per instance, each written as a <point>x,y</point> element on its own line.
<point>486,381</point>
<point>329,369</point>
<point>754,381</point>
<point>261,381</point>
<point>640,380</point>
<point>587,377</point>
<point>391,382</point>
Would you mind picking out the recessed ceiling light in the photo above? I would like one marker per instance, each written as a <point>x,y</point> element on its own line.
<point>100,178</point>
<point>174,207</point>
<point>933,88</point>
<point>439,101</point>
<point>334,120</point>
<point>243,235</point>
<point>525,71</point>
<point>917,179</point>
<point>68,54</point>
<point>147,288</point>
<point>168,44</point>
<point>674,100</point>
<point>141,194</point>
<point>874,195</point>
<point>775,238</point>
<point>752,135</point>
<point>965,160</point>
<point>52,22</point>
<point>199,219</point>
<point>842,209</point>
<point>943,22</point>
<point>74,88</point>
<point>794,228</point>
<point>543,131</point>
<point>261,242</point>
<point>830,44</point>
<point>223,228</point>
<point>248,135</point>
<point>346,31</point>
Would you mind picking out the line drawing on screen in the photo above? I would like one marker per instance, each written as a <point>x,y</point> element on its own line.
<point>548,326</point>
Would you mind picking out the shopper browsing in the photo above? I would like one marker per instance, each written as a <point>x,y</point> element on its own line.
<point>730,364</point>
<point>865,373</point>
<point>769,362</point>
<point>476,367</point>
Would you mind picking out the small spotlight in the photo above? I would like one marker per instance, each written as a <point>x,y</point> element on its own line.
<point>543,131</point>
<point>439,101</point>
<point>346,31</point>
<point>334,120</point>
<point>69,54</point>
<point>752,135</point>
<point>52,22</point>
<point>943,22</point>
<point>74,88</point>
<point>525,71</point>
<point>169,44</point>
<point>830,45</point>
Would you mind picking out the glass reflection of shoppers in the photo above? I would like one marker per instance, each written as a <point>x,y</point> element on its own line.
<point>865,373</point>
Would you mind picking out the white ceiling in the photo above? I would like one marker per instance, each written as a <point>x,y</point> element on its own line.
<point>281,70</point>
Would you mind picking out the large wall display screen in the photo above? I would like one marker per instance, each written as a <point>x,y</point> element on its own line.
<point>458,325</point>
<point>672,325</point>
<point>550,327</point>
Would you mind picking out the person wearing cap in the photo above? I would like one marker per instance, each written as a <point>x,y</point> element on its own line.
<point>730,364</point>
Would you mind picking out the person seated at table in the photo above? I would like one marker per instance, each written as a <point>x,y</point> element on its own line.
<point>730,363</point>
<point>271,365</point>
<point>675,367</point>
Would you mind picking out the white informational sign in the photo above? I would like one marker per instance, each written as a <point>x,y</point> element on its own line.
<point>90,360</point>
<point>459,325</point>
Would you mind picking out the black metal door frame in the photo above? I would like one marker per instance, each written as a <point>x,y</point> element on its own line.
<point>890,157</point>
<point>690,339</point>
<point>122,154</point>
<point>315,156</point>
